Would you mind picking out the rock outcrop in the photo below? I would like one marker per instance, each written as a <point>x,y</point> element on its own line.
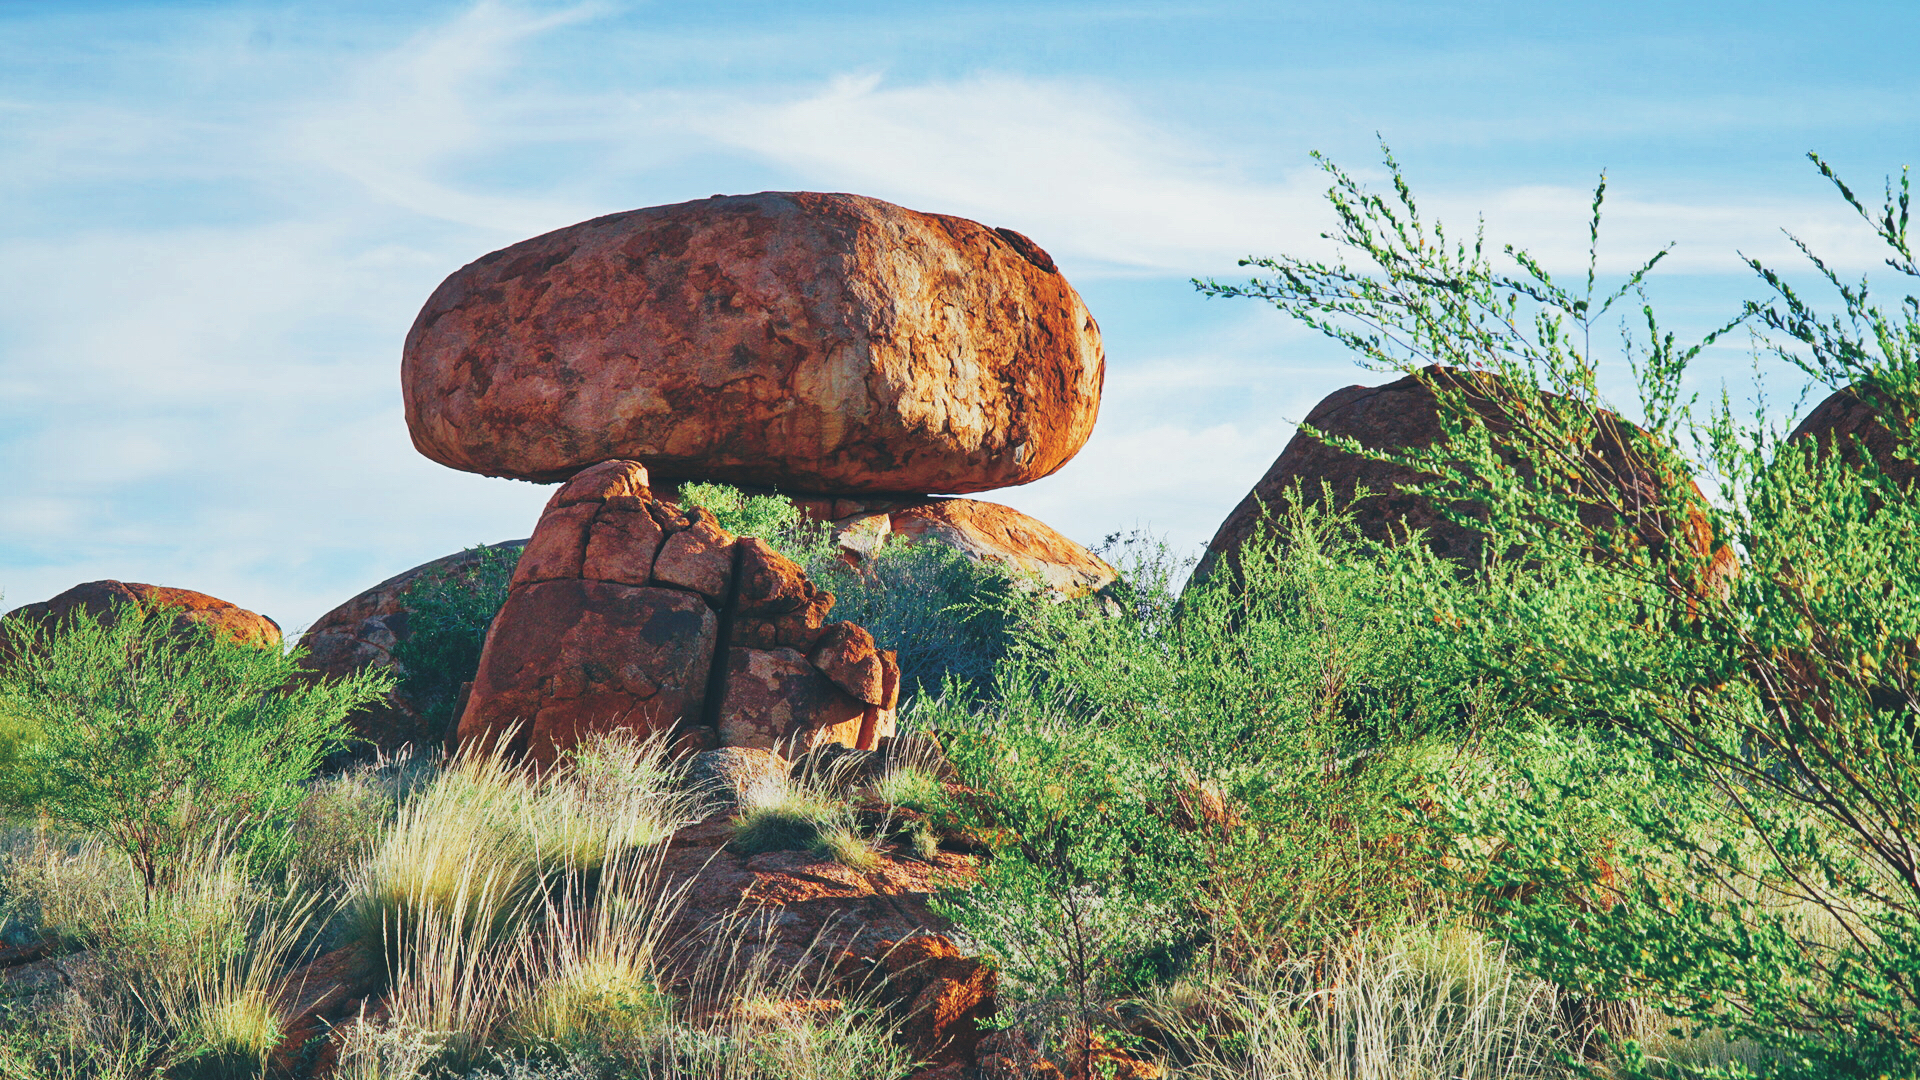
<point>626,612</point>
<point>866,933</point>
<point>810,342</point>
<point>99,598</point>
<point>1404,414</point>
<point>363,632</point>
<point>1844,420</point>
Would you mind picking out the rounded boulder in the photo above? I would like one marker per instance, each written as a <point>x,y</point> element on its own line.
<point>100,599</point>
<point>809,342</point>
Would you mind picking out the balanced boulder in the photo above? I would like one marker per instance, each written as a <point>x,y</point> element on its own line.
<point>100,599</point>
<point>809,342</point>
<point>626,612</point>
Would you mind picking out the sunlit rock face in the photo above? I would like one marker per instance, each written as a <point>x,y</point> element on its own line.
<point>626,613</point>
<point>808,342</point>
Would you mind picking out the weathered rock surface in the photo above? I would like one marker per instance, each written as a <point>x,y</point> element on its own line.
<point>864,932</point>
<point>363,632</point>
<point>625,612</point>
<point>1404,413</point>
<point>99,598</point>
<point>810,342</point>
<point>1853,425</point>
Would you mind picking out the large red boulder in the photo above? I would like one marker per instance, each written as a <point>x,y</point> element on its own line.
<point>100,598</point>
<point>1846,421</point>
<point>805,341</point>
<point>625,612</point>
<point>364,632</point>
<point>1405,414</point>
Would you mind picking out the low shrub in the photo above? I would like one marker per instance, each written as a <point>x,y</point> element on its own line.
<point>157,738</point>
<point>448,614</point>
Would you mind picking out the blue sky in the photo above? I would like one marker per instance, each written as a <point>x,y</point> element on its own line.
<point>218,219</point>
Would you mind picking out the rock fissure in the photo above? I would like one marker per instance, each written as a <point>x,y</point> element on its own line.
<point>628,613</point>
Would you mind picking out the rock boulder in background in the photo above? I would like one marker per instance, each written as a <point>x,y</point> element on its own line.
<point>1844,420</point>
<point>363,633</point>
<point>1404,414</point>
<point>99,598</point>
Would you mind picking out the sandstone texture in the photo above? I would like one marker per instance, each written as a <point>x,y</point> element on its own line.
<point>868,933</point>
<point>1404,413</point>
<point>626,612</point>
<point>810,342</point>
<point>1845,421</point>
<point>99,598</point>
<point>363,632</point>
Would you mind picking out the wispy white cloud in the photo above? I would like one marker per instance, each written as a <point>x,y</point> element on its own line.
<point>208,397</point>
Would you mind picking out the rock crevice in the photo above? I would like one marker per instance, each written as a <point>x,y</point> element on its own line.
<point>627,612</point>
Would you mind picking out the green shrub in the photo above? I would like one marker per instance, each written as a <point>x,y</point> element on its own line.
<point>1759,771</point>
<point>946,616</point>
<point>158,738</point>
<point>448,613</point>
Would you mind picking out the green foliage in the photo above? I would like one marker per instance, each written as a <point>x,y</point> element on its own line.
<point>1213,785</point>
<point>946,616</point>
<point>448,613</point>
<point>160,738</point>
<point>1760,777</point>
<point>772,518</point>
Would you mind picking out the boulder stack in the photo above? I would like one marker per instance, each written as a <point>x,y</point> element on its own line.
<point>626,612</point>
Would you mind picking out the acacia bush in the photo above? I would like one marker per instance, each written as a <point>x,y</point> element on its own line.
<point>164,739</point>
<point>1760,772</point>
<point>448,615</point>
<point>1208,790</point>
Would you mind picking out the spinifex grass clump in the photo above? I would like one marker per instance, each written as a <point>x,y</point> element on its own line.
<point>487,836</point>
<point>794,817</point>
<point>462,849</point>
<point>185,978</point>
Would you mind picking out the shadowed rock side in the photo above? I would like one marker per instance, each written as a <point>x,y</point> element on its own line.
<point>1845,420</point>
<point>625,612</point>
<point>1404,413</point>
<point>98,599</point>
<point>363,632</point>
<point>810,342</point>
